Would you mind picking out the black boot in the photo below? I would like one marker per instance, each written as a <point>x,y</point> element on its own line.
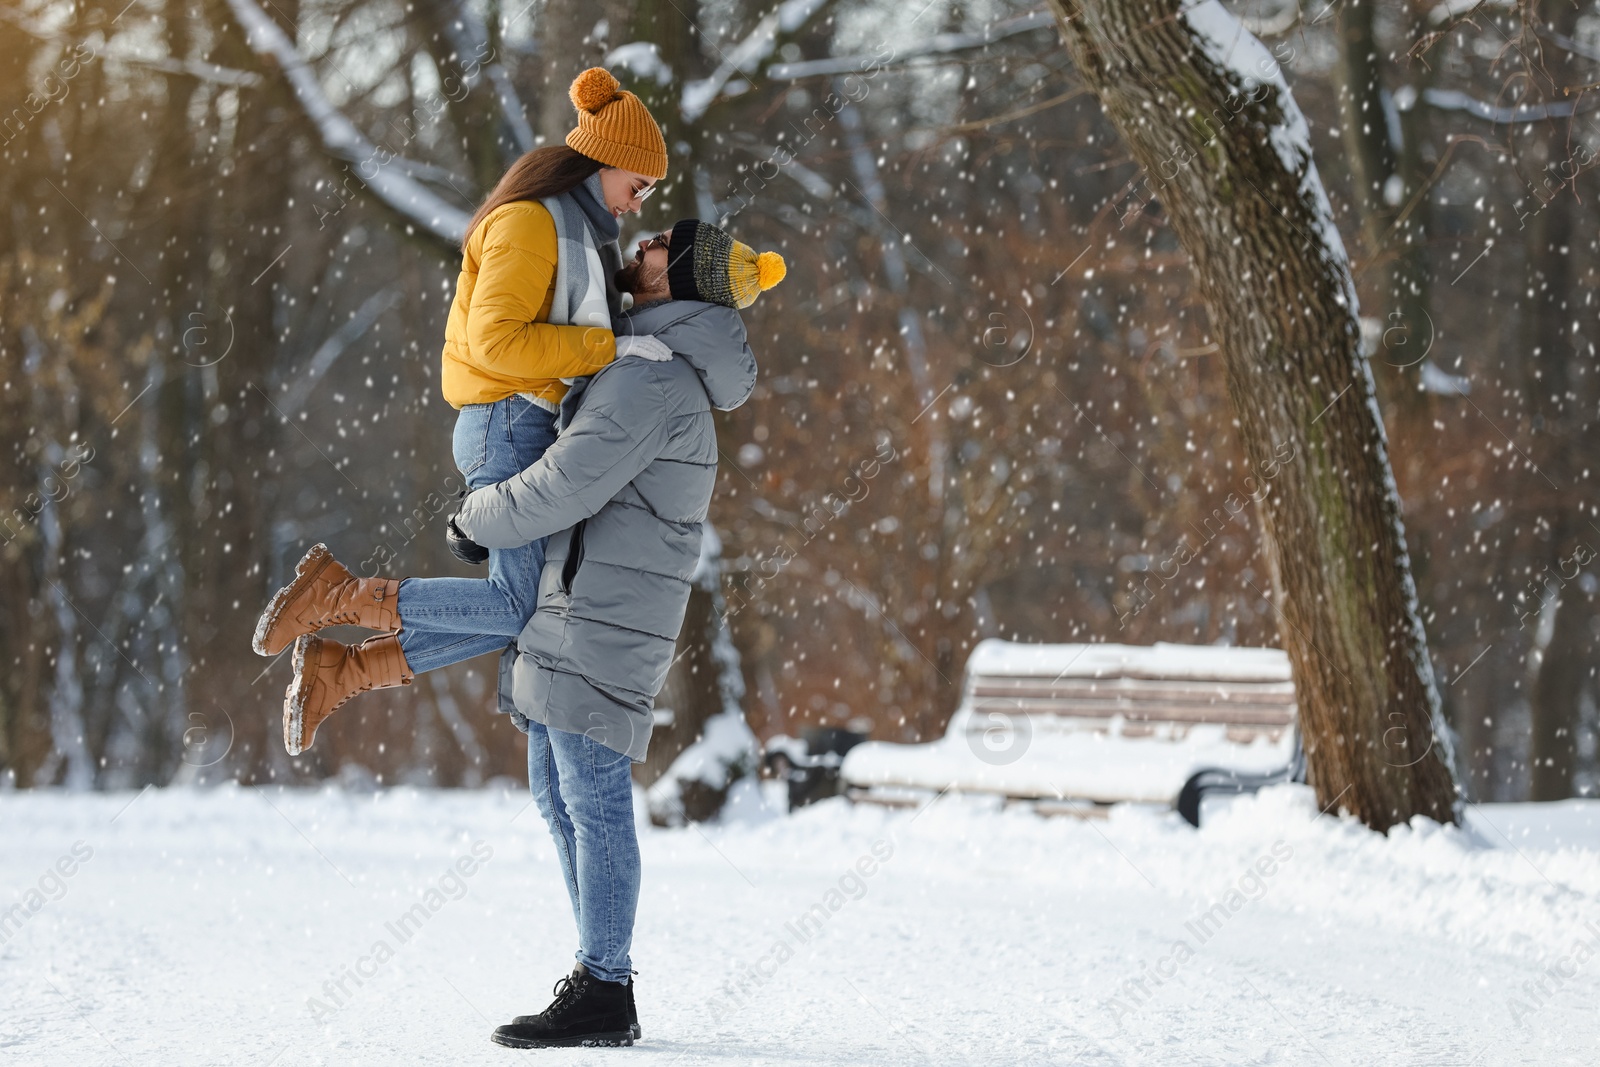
<point>633,1014</point>
<point>586,1011</point>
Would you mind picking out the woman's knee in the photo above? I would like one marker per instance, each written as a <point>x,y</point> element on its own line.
<point>521,600</point>
<point>516,579</point>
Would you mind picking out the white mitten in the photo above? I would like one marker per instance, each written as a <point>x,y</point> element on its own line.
<point>645,347</point>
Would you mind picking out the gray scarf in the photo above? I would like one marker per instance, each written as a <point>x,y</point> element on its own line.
<point>587,257</point>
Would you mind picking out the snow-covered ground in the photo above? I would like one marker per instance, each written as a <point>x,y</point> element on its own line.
<point>200,927</point>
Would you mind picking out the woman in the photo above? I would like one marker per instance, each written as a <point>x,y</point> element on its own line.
<point>534,304</point>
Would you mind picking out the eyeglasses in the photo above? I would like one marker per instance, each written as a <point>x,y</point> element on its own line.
<point>642,193</point>
<point>660,240</point>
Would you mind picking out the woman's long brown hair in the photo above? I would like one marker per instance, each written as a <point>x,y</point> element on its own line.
<point>548,171</point>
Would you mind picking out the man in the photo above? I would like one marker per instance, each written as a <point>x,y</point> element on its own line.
<point>622,495</point>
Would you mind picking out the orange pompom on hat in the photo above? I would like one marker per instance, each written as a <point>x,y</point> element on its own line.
<point>614,126</point>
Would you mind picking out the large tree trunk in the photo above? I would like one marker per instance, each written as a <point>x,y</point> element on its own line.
<point>1383,171</point>
<point>1555,382</point>
<point>234,712</point>
<point>1560,670</point>
<point>677,43</point>
<point>568,45</point>
<point>1556,669</point>
<point>1205,110</point>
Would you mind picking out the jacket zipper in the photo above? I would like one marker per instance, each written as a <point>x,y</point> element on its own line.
<point>569,569</point>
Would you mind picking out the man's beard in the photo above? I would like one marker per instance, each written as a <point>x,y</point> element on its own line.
<point>627,279</point>
<point>636,278</point>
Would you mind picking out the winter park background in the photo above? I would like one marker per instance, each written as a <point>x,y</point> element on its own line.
<point>1002,396</point>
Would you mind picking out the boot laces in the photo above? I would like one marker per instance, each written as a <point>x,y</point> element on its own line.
<point>566,994</point>
<point>363,687</point>
<point>347,593</point>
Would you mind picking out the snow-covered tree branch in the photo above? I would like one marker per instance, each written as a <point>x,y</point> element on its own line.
<point>383,172</point>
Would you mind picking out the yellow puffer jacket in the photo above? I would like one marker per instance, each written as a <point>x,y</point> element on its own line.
<point>498,340</point>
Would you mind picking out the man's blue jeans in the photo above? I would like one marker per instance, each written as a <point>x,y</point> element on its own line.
<point>585,792</point>
<point>447,620</point>
<point>583,789</point>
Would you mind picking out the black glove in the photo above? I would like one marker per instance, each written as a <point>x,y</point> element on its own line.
<point>463,547</point>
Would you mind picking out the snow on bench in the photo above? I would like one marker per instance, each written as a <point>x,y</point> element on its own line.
<point>1099,723</point>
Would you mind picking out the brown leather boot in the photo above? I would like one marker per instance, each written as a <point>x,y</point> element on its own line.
<point>327,673</point>
<point>324,593</point>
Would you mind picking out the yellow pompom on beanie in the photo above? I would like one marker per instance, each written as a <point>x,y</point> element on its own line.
<point>614,126</point>
<point>705,263</point>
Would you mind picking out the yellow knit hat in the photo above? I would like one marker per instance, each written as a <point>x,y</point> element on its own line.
<point>614,126</point>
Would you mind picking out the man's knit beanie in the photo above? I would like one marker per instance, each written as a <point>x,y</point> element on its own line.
<point>614,126</point>
<point>704,263</point>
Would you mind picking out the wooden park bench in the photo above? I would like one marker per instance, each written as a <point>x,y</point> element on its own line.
<point>1073,729</point>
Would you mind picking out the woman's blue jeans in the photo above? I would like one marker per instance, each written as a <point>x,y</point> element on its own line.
<point>585,792</point>
<point>447,620</point>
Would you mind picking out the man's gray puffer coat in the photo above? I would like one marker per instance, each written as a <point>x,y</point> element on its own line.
<point>622,495</point>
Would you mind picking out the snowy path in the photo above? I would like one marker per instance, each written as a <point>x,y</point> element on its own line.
<point>203,922</point>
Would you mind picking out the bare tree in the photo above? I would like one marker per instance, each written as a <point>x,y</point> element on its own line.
<point>1196,96</point>
<point>1554,377</point>
<point>1383,167</point>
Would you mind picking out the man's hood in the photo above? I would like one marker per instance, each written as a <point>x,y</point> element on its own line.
<point>709,337</point>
